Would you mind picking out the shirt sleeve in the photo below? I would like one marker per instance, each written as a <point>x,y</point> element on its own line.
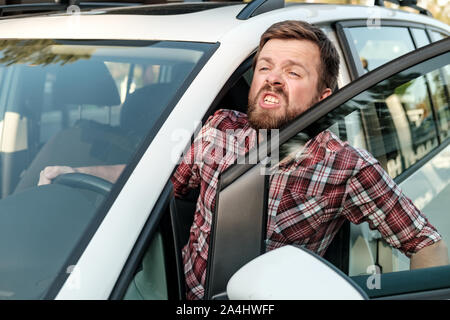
<point>373,197</point>
<point>187,174</point>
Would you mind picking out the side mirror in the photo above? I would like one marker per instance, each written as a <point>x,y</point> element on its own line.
<point>291,273</point>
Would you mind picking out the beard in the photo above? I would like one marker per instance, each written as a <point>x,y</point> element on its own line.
<point>260,118</point>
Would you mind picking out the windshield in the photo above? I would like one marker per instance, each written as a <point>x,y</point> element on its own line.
<point>77,104</point>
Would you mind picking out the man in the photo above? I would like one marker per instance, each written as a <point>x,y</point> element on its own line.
<point>296,66</point>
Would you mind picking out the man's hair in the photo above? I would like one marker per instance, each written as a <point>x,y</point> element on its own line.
<point>300,30</point>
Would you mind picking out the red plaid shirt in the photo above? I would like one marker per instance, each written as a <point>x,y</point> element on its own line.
<point>310,195</point>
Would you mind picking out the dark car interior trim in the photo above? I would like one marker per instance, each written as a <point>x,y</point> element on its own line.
<point>442,294</point>
<point>349,51</point>
<point>399,283</point>
<point>233,93</point>
<point>240,207</point>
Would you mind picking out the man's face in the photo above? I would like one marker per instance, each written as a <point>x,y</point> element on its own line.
<point>284,82</point>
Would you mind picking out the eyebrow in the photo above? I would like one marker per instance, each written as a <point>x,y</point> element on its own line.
<point>288,62</point>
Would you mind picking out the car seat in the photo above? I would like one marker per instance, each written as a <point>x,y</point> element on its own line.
<point>87,142</point>
<point>142,109</point>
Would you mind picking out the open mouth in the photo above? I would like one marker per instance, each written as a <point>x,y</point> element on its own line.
<point>270,101</point>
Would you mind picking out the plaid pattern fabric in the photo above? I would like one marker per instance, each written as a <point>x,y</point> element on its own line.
<point>310,195</point>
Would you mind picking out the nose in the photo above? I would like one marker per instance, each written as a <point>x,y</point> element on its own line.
<point>275,79</point>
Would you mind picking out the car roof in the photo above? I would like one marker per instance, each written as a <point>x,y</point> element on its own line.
<point>170,22</point>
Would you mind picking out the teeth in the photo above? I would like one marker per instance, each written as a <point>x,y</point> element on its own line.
<point>270,100</point>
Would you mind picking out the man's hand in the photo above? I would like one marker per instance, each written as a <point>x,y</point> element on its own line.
<point>50,173</point>
<point>431,256</point>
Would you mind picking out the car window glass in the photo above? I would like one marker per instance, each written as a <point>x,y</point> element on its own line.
<point>145,75</point>
<point>394,122</point>
<point>439,86</point>
<point>420,37</point>
<point>436,35</point>
<point>76,104</point>
<point>378,45</point>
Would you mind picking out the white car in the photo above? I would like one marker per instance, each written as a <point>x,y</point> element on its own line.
<point>132,84</point>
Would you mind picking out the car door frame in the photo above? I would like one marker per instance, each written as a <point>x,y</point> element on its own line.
<point>365,82</point>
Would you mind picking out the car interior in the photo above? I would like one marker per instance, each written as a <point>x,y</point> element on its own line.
<point>86,142</point>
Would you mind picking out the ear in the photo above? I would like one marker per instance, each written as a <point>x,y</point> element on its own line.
<point>325,93</point>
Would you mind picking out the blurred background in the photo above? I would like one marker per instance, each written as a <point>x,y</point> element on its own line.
<point>439,8</point>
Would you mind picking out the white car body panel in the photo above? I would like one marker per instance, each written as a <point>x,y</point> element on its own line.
<point>103,259</point>
<point>187,27</point>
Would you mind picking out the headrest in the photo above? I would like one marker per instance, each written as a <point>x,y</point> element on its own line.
<point>85,82</point>
<point>143,107</point>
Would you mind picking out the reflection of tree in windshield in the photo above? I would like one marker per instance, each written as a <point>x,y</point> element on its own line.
<point>36,52</point>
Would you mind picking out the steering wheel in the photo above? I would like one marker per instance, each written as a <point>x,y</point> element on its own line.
<point>84,181</point>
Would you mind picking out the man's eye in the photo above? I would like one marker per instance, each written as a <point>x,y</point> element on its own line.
<point>292,73</point>
<point>263,68</point>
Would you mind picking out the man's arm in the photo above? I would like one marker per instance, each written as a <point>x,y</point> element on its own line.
<point>187,175</point>
<point>432,256</point>
<point>110,173</point>
<point>375,198</point>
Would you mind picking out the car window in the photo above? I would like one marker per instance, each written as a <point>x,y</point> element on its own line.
<point>436,35</point>
<point>439,86</point>
<point>77,104</point>
<point>420,37</point>
<point>378,45</point>
<point>395,121</point>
